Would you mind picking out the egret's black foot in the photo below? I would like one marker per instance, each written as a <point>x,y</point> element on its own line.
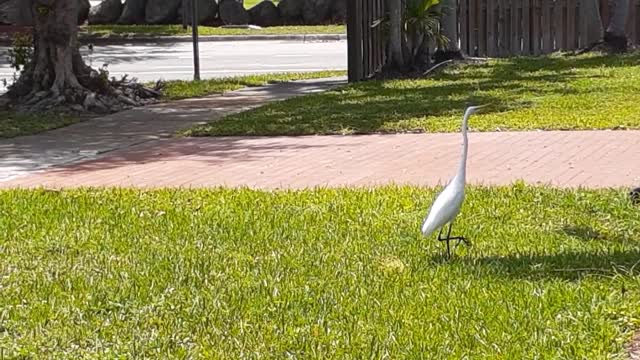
<point>448,238</point>
<point>460,240</point>
<point>463,240</point>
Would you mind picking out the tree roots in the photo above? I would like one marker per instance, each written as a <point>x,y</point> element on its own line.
<point>94,94</point>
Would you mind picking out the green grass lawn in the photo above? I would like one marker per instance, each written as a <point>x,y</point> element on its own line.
<point>207,30</point>
<point>585,92</point>
<point>316,274</point>
<point>13,124</point>
<point>178,89</point>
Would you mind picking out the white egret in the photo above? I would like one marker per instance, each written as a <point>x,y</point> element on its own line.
<point>448,203</point>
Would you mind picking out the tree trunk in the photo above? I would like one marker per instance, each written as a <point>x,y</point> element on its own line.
<point>57,75</point>
<point>422,54</point>
<point>449,28</point>
<point>615,36</point>
<point>56,46</point>
<point>450,24</point>
<point>396,59</point>
<point>618,20</point>
<point>592,22</point>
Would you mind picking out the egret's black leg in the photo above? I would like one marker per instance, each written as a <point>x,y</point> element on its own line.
<point>448,238</point>
<point>449,232</point>
<point>440,238</point>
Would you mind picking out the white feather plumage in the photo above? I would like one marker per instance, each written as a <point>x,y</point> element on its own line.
<point>449,202</point>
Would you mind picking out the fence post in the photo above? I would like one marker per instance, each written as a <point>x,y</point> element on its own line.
<point>526,27</point>
<point>536,34</point>
<point>463,16</point>
<point>354,40</point>
<point>547,45</point>
<point>366,37</point>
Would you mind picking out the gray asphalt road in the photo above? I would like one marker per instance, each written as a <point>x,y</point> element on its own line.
<point>150,62</point>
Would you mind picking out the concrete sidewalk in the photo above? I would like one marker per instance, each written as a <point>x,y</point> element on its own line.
<point>560,158</point>
<point>89,139</point>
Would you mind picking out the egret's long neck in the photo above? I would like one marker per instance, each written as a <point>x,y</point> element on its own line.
<point>462,170</point>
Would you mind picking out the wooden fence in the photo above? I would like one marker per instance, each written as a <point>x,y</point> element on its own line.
<point>493,28</point>
<point>500,28</point>
<point>366,41</point>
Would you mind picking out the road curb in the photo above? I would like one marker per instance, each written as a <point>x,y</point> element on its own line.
<point>115,40</point>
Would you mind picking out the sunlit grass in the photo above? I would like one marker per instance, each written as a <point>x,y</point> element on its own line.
<point>555,92</point>
<point>326,274</point>
<point>179,89</point>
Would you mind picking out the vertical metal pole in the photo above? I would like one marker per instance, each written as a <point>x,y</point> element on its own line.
<point>194,31</point>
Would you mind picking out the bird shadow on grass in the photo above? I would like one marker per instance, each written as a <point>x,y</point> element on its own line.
<point>569,266</point>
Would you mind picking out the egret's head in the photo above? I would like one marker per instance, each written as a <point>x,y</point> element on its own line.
<point>470,110</point>
<point>473,109</point>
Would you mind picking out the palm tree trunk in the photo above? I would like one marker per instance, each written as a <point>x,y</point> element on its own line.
<point>618,19</point>
<point>450,24</point>
<point>615,36</point>
<point>423,51</point>
<point>592,23</point>
<point>395,34</point>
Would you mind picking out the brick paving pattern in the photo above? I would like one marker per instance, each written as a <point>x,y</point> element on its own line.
<point>559,158</point>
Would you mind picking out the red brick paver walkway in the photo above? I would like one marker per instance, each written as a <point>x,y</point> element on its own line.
<point>566,159</point>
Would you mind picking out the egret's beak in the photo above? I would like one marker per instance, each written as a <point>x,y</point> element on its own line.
<point>473,109</point>
<point>479,107</point>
